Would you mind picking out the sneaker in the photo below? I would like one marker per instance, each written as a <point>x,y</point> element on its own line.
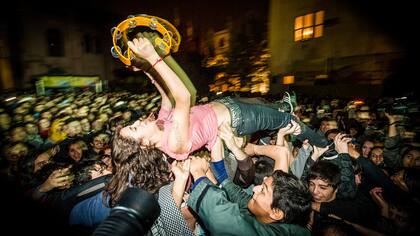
<point>309,134</point>
<point>288,103</point>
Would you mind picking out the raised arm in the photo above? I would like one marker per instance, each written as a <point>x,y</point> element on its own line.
<point>392,156</point>
<point>178,140</point>
<point>280,152</point>
<point>347,188</point>
<point>171,62</point>
<point>166,101</point>
<point>245,172</point>
<point>181,170</point>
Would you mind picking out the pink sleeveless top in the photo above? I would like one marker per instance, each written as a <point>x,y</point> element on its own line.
<point>203,130</point>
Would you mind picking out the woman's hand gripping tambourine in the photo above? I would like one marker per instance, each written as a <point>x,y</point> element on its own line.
<point>165,42</point>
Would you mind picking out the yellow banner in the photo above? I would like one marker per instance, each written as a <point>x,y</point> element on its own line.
<point>69,81</point>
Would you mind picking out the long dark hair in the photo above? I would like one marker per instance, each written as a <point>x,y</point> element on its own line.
<point>144,168</point>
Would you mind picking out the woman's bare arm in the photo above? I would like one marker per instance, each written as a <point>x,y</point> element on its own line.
<point>179,134</point>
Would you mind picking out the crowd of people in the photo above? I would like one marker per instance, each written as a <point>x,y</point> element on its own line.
<point>221,166</point>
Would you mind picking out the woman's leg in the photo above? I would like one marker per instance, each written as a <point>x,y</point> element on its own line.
<point>249,118</point>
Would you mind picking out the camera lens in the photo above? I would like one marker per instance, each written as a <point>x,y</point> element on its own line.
<point>134,214</point>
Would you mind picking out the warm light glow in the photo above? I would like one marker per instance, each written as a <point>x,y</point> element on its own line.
<point>307,33</point>
<point>359,102</point>
<point>220,75</point>
<point>319,18</point>
<point>308,21</point>
<point>299,22</point>
<point>290,79</point>
<point>298,35</point>
<point>309,26</point>
<point>225,87</point>
<point>259,76</point>
<point>318,31</point>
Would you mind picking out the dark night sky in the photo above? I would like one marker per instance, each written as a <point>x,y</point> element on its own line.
<point>398,18</point>
<point>204,13</point>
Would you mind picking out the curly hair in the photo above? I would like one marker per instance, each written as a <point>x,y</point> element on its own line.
<point>145,168</point>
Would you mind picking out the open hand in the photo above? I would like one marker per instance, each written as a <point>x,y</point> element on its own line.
<point>151,36</point>
<point>60,178</point>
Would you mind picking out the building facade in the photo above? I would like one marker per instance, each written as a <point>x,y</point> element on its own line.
<point>329,45</point>
<point>51,41</point>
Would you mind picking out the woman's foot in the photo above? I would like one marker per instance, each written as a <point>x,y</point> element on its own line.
<point>309,134</point>
<point>288,102</point>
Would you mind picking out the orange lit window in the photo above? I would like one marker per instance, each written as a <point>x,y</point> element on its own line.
<point>309,26</point>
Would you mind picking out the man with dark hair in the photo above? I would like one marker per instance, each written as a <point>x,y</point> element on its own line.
<point>263,167</point>
<point>279,206</point>
<point>323,180</point>
<point>88,170</point>
<point>331,133</point>
<point>91,176</point>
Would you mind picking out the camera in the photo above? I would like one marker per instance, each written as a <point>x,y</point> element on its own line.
<point>134,214</point>
<point>396,106</point>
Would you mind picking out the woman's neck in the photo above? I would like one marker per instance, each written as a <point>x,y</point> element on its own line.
<point>157,138</point>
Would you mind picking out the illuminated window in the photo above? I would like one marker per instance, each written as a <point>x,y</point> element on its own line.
<point>290,79</point>
<point>309,26</point>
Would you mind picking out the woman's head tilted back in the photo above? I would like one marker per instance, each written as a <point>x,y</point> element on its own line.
<point>143,131</point>
<point>144,168</point>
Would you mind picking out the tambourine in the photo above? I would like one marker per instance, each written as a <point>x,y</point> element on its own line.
<point>168,41</point>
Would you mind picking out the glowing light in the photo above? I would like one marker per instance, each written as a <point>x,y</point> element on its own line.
<point>289,79</point>
<point>10,99</point>
<point>359,102</point>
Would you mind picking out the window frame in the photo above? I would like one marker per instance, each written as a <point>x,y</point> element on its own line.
<point>312,22</point>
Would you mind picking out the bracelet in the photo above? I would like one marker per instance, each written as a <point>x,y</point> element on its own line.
<point>157,61</point>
